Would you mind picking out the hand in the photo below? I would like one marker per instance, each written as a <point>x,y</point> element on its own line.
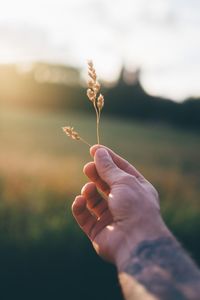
<point>125,212</point>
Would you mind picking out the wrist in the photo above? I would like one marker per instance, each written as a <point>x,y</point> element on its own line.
<point>133,238</point>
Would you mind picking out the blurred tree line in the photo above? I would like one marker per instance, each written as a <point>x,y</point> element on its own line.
<point>56,87</point>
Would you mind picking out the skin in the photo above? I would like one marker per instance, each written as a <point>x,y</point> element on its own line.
<point>120,213</point>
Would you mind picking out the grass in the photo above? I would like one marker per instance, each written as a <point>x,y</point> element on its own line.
<point>40,174</point>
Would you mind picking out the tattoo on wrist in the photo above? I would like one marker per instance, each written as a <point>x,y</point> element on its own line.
<point>164,269</point>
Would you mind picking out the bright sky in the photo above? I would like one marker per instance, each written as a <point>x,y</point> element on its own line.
<point>160,36</point>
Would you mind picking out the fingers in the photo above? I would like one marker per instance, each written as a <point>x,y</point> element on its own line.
<point>90,169</point>
<point>119,161</point>
<point>106,168</point>
<point>82,215</point>
<point>91,211</point>
<point>98,206</point>
<point>91,172</point>
<point>95,202</point>
<point>105,220</point>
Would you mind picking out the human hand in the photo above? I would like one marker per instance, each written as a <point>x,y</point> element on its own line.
<point>126,211</point>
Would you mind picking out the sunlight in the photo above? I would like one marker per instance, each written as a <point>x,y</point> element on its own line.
<point>110,227</point>
<point>157,37</point>
<point>8,54</point>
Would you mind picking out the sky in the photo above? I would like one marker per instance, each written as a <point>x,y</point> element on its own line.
<point>162,37</point>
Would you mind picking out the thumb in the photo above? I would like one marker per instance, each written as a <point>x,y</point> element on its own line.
<point>106,168</point>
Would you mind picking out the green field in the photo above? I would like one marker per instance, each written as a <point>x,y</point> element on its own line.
<point>40,174</point>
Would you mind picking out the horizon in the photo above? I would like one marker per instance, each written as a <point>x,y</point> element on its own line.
<point>160,38</point>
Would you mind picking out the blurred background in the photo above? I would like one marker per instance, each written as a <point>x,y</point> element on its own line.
<point>147,58</point>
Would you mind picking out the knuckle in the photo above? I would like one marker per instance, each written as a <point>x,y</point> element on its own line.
<point>127,179</point>
<point>156,194</point>
<point>107,166</point>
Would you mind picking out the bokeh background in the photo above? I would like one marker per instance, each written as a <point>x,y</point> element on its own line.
<point>147,57</point>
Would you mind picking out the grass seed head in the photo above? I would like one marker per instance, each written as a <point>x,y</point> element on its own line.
<point>91,95</point>
<point>71,133</point>
<point>90,63</point>
<point>97,86</point>
<point>92,74</point>
<point>97,100</point>
<point>100,102</point>
<point>90,84</point>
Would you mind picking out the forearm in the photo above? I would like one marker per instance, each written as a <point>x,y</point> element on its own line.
<point>159,269</point>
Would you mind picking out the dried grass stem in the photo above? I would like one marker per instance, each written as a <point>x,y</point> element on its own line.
<point>92,93</point>
<point>97,100</point>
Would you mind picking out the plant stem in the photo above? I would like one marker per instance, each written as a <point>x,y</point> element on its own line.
<point>98,126</point>
<point>98,140</point>
<point>85,142</point>
<point>98,117</point>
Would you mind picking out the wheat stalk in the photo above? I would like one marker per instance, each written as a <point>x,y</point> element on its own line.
<point>92,93</point>
<point>97,100</point>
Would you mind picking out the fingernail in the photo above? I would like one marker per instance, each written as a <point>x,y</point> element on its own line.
<point>93,149</point>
